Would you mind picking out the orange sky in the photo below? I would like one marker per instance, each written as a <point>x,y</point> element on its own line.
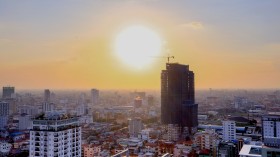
<point>76,51</point>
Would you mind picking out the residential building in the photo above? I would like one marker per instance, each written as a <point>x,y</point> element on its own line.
<point>173,132</point>
<point>55,134</point>
<point>271,130</point>
<point>206,140</point>
<point>4,108</point>
<point>92,150</point>
<point>229,130</point>
<point>135,125</point>
<point>48,107</point>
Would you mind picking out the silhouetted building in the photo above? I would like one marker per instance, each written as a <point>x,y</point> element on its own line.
<point>177,96</point>
<point>137,102</point>
<point>4,108</point>
<point>47,95</point>
<point>8,92</point>
<point>94,96</point>
<point>150,101</point>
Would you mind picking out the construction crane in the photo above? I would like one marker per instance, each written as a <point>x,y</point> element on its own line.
<point>168,57</point>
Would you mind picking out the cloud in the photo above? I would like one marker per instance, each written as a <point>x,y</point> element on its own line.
<point>193,25</point>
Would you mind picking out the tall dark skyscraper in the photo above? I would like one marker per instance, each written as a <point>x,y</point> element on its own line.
<point>47,95</point>
<point>178,96</point>
<point>8,92</point>
<point>94,96</point>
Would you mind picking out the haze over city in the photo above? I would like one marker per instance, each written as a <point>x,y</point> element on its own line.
<point>74,44</point>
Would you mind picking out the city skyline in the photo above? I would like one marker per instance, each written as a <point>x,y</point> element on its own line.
<point>69,45</point>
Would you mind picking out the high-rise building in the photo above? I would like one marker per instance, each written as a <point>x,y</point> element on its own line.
<point>206,139</point>
<point>178,97</point>
<point>173,132</point>
<point>8,92</point>
<point>55,134</point>
<point>48,107</point>
<point>24,121</point>
<point>3,122</point>
<point>137,102</point>
<point>271,130</point>
<point>150,101</point>
<point>94,96</point>
<point>229,130</point>
<point>135,125</point>
<point>4,108</point>
<point>47,95</point>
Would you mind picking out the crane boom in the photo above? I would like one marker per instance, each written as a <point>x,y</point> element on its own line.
<point>168,57</point>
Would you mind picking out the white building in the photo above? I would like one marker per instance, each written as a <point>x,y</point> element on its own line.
<point>135,125</point>
<point>4,108</point>
<point>229,130</point>
<point>55,135</point>
<point>5,148</point>
<point>48,107</point>
<point>250,151</point>
<point>271,130</point>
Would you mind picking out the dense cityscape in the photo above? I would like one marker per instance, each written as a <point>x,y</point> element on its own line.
<point>139,78</point>
<point>177,122</point>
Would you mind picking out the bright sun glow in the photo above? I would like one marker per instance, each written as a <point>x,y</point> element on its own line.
<point>136,45</point>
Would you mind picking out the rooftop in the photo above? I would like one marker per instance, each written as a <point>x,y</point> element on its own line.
<point>251,150</point>
<point>53,116</point>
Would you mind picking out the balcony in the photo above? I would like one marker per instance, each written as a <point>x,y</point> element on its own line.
<point>37,144</point>
<point>55,140</point>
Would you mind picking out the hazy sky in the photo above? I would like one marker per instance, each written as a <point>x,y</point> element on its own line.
<point>68,43</point>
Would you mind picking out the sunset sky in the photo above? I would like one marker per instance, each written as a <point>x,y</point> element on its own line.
<point>70,44</point>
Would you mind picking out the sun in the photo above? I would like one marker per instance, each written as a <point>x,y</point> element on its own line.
<point>136,45</point>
